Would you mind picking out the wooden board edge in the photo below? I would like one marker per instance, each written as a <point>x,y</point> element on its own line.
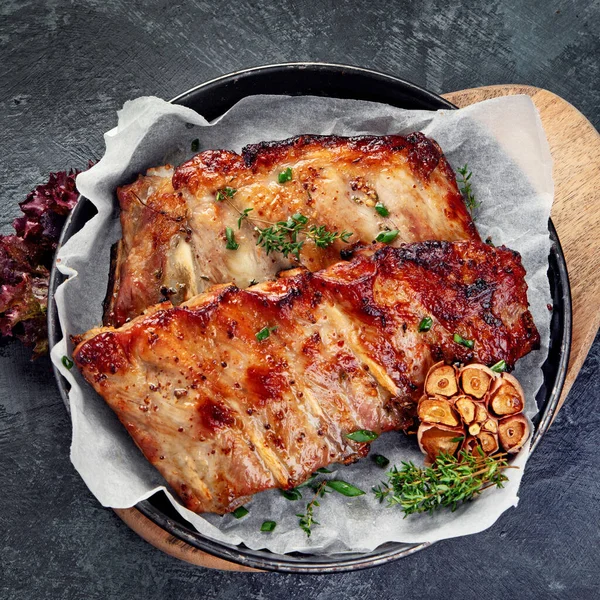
<point>169,544</point>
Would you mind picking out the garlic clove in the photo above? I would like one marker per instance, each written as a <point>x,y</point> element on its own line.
<point>481,415</point>
<point>466,408</point>
<point>488,441</point>
<point>441,380</point>
<point>437,439</point>
<point>474,429</point>
<point>475,380</point>
<point>491,425</point>
<point>506,396</point>
<point>513,432</point>
<point>437,410</point>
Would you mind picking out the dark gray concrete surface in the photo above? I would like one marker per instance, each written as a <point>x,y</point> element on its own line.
<point>65,68</point>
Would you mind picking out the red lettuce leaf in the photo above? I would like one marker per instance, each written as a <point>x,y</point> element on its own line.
<point>26,260</point>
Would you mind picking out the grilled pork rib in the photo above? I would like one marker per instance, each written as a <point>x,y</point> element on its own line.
<point>174,246</point>
<point>238,391</point>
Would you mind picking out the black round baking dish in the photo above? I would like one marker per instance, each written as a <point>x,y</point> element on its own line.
<point>212,99</point>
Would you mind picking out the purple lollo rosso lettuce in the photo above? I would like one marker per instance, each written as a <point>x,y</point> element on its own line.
<point>26,259</point>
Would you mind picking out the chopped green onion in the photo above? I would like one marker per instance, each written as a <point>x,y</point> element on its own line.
<point>300,218</point>
<point>382,209</point>
<point>231,243</point>
<point>344,488</point>
<point>362,435</point>
<point>293,494</point>
<point>67,362</point>
<point>285,175</point>
<point>381,461</point>
<point>268,526</point>
<point>195,145</point>
<point>243,216</point>
<point>240,512</point>
<point>499,366</point>
<point>463,342</point>
<point>387,236</point>
<point>324,470</point>
<point>425,324</point>
<point>308,481</point>
<point>264,333</point>
<point>219,197</point>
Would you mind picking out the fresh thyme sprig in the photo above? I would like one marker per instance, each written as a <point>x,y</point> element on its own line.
<point>285,236</point>
<point>464,185</point>
<point>447,483</point>
<point>307,519</point>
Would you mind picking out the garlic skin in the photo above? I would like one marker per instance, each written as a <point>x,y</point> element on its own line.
<point>472,409</point>
<point>437,439</point>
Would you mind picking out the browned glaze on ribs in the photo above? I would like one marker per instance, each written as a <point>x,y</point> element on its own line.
<point>223,415</point>
<point>173,243</point>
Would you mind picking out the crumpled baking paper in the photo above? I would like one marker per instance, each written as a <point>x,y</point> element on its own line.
<point>502,141</point>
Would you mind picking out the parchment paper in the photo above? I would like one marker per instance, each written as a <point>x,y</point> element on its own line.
<point>502,141</point>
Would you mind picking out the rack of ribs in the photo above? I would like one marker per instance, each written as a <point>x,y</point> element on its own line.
<point>242,390</point>
<point>174,220</point>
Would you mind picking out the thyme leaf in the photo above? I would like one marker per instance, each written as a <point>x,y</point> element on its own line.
<point>450,481</point>
<point>464,185</point>
<point>288,237</point>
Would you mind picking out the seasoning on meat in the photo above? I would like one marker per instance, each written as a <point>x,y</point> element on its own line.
<point>224,413</point>
<point>175,221</point>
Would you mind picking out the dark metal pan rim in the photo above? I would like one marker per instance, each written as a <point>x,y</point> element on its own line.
<point>228,89</point>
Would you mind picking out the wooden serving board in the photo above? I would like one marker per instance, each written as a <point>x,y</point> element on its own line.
<point>575,147</point>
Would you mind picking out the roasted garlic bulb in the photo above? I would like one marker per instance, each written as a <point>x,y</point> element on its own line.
<point>472,409</point>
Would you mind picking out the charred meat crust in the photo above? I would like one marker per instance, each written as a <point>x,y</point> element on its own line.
<point>424,155</point>
<point>224,414</point>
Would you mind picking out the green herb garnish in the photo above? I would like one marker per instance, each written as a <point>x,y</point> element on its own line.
<point>307,519</point>
<point>244,215</point>
<point>463,342</point>
<point>499,366</point>
<point>285,175</point>
<point>293,494</point>
<point>226,192</point>
<point>381,461</point>
<point>344,488</point>
<point>67,362</point>
<point>362,435</point>
<point>264,333</point>
<point>195,145</point>
<point>284,236</point>
<point>464,185</point>
<point>240,512</point>
<point>447,483</point>
<point>425,324</point>
<point>308,482</point>
<point>268,526</point>
<point>382,209</point>
<point>387,236</point>
<point>323,470</point>
<point>230,236</point>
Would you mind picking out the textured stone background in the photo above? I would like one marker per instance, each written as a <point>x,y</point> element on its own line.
<point>65,68</point>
